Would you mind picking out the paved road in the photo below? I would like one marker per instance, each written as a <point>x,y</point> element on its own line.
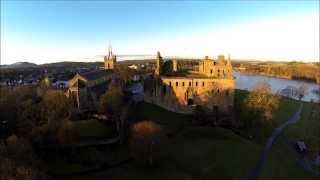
<point>276,132</point>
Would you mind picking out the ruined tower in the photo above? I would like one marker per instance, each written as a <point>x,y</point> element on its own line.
<point>159,63</point>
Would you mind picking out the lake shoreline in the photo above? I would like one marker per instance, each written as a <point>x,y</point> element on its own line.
<point>277,76</point>
<point>247,81</point>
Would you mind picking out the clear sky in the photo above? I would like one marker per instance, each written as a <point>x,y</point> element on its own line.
<point>51,31</point>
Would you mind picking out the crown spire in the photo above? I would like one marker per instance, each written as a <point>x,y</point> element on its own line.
<point>110,51</point>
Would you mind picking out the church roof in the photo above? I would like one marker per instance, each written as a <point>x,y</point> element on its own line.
<point>93,75</point>
<point>100,88</point>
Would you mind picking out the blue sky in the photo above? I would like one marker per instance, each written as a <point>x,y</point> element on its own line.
<point>50,31</point>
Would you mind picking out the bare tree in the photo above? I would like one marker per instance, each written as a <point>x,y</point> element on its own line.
<point>302,91</point>
<point>111,104</point>
<point>262,101</point>
<point>145,140</point>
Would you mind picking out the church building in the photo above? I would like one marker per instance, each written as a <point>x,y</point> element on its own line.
<point>86,88</point>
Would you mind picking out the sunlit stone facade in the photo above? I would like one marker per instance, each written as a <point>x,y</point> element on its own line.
<point>212,87</point>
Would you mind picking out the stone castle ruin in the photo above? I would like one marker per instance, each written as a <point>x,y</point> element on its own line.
<point>210,86</point>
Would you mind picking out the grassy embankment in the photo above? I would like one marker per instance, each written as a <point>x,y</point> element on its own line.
<point>191,153</point>
<point>260,129</point>
<point>209,152</point>
<point>85,158</point>
<point>92,129</point>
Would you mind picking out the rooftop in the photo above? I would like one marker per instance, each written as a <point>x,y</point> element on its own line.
<point>93,75</point>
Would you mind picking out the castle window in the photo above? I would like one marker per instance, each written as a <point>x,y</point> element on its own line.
<point>189,83</point>
<point>218,90</point>
<point>170,83</point>
<point>211,71</point>
<point>182,83</point>
<point>177,83</point>
<point>202,83</point>
<point>196,83</point>
<point>218,70</point>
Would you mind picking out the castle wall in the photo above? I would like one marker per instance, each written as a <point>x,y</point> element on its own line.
<point>174,93</point>
<point>211,86</point>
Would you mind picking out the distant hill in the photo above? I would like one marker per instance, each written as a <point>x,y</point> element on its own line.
<point>19,65</point>
<point>71,64</point>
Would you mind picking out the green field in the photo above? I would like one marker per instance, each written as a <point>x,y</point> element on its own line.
<point>87,129</point>
<point>308,128</point>
<point>281,164</point>
<point>260,129</point>
<point>81,159</point>
<point>196,152</point>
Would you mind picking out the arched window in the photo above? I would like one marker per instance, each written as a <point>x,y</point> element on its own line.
<point>218,91</point>
<point>202,83</point>
<point>177,83</point>
<point>189,83</point>
<point>211,71</point>
<point>182,83</point>
<point>196,83</point>
<point>170,83</point>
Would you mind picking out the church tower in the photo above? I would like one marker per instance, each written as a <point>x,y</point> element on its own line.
<point>110,60</point>
<point>159,63</point>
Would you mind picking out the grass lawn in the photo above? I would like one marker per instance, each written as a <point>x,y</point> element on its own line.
<point>156,113</point>
<point>194,153</point>
<point>172,122</point>
<point>282,165</point>
<point>259,129</point>
<point>307,128</point>
<point>87,129</point>
<point>62,167</point>
<point>211,152</point>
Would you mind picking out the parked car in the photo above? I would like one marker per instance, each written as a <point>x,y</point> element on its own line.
<point>301,146</point>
